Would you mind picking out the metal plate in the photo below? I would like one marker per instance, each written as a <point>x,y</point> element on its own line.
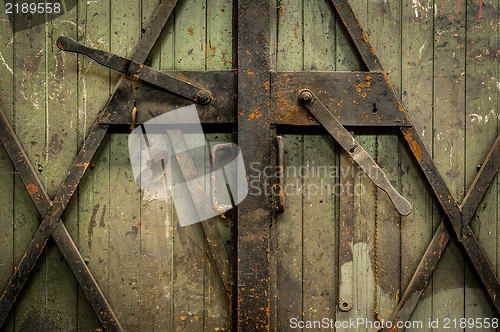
<point>151,101</point>
<point>355,98</point>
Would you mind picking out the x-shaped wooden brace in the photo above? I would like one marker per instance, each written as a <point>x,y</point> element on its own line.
<point>458,216</point>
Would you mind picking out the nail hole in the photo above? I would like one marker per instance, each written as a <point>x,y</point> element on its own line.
<point>351,150</point>
<point>374,110</point>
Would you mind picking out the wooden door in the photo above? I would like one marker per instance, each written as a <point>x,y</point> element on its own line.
<point>441,57</point>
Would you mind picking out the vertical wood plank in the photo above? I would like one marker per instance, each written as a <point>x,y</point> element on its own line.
<point>290,279</point>
<point>189,259</point>
<point>30,126</point>
<point>449,146</point>
<point>125,229</point>
<point>320,191</point>
<point>319,228</point>
<point>156,229</point>
<point>363,251</point>
<point>384,24</point>
<point>481,130</point>
<point>219,34</point>
<point>289,233</point>
<point>348,59</point>
<point>189,242</point>
<point>319,35</point>
<point>94,192</point>
<point>417,94</point>
<point>61,150</point>
<point>290,54</point>
<point>217,307</point>
<point>190,35</point>
<point>7,175</point>
<point>365,207</point>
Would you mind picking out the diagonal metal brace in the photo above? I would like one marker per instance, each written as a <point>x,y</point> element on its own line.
<point>354,149</point>
<point>138,71</point>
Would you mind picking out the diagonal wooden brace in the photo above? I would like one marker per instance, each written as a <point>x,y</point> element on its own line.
<point>438,244</point>
<point>52,225</point>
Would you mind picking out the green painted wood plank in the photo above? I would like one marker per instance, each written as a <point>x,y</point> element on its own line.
<point>156,231</point>
<point>125,223</point>
<point>346,54</point>
<point>94,194</point>
<point>190,35</point>
<point>217,307</point>
<point>319,227</point>
<point>30,126</point>
<point>449,146</point>
<point>289,230</point>
<point>290,53</point>
<point>61,150</point>
<point>319,35</point>
<point>416,83</point>
<point>7,175</point>
<point>219,48</point>
<point>481,131</point>
<point>190,257</point>
<point>384,24</point>
<point>319,201</point>
<point>289,233</point>
<point>125,237</point>
<point>365,206</point>
<point>364,233</point>
<point>189,243</point>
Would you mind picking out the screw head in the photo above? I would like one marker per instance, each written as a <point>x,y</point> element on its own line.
<point>305,96</point>
<point>203,97</point>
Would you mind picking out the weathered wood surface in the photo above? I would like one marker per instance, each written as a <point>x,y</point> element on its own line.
<point>442,57</point>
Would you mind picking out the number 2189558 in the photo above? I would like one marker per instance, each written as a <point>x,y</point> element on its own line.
<point>32,8</point>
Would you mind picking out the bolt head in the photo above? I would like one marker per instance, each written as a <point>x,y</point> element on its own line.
<point>305,96</point>
<point>203,97</point>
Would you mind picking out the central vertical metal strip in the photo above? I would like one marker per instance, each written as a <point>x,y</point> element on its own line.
<point>254,213</point>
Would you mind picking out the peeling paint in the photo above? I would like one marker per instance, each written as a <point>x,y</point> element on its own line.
<point>5,63</point>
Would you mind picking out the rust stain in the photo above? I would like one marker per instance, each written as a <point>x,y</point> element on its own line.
<point>442,239</point>
<point>190,31</point>
<point>32,189</point>
<point>417,151</point>
<point>214,50</point>
<point>363,94</point>
<point>362,85</point>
